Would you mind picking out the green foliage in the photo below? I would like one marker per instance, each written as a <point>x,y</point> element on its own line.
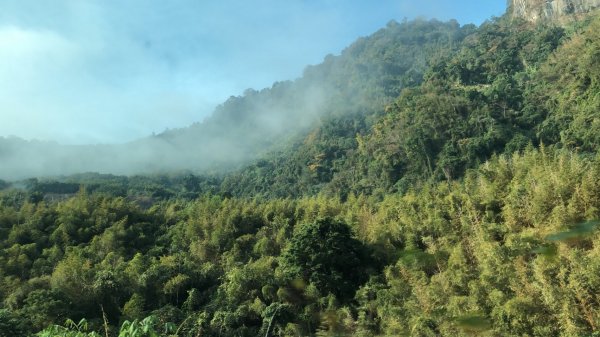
<point>325,254</point>
<point>71,329</point>
<point>10,325</point>
<point>144,328</point>
<point>567,92</point>
<point>134,308</point>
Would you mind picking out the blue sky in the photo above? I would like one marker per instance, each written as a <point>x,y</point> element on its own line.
<point>110,71</point>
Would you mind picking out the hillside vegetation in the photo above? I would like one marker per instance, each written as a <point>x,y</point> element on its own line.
<point>454,193</point>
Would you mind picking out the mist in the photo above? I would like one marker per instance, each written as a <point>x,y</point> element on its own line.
<point>241,129</point>
<point>146,86</point>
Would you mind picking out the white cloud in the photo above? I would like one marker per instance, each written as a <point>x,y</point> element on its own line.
<point>86,89</point>
<point>33,67</point>
<point>24,54</point>
<point>100,72</point>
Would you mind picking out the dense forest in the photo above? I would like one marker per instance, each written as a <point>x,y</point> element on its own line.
<point>448,186</point>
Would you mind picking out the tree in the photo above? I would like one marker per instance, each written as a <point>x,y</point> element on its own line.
<point>9,324</point>
<point>326,254</point>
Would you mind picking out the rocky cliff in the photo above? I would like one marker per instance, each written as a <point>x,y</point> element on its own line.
<point>555,10</point>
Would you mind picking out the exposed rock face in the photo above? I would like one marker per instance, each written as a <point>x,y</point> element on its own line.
<point>554,10</point>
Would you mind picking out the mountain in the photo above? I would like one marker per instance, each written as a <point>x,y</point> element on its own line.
<point>475,100</point>
<point>362,80</point>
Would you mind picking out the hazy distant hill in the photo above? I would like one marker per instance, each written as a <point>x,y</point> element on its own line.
<point>362,80</point>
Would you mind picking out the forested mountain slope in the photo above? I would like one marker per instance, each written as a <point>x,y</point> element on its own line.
<point>510,84</point>
<point>477,101</point>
